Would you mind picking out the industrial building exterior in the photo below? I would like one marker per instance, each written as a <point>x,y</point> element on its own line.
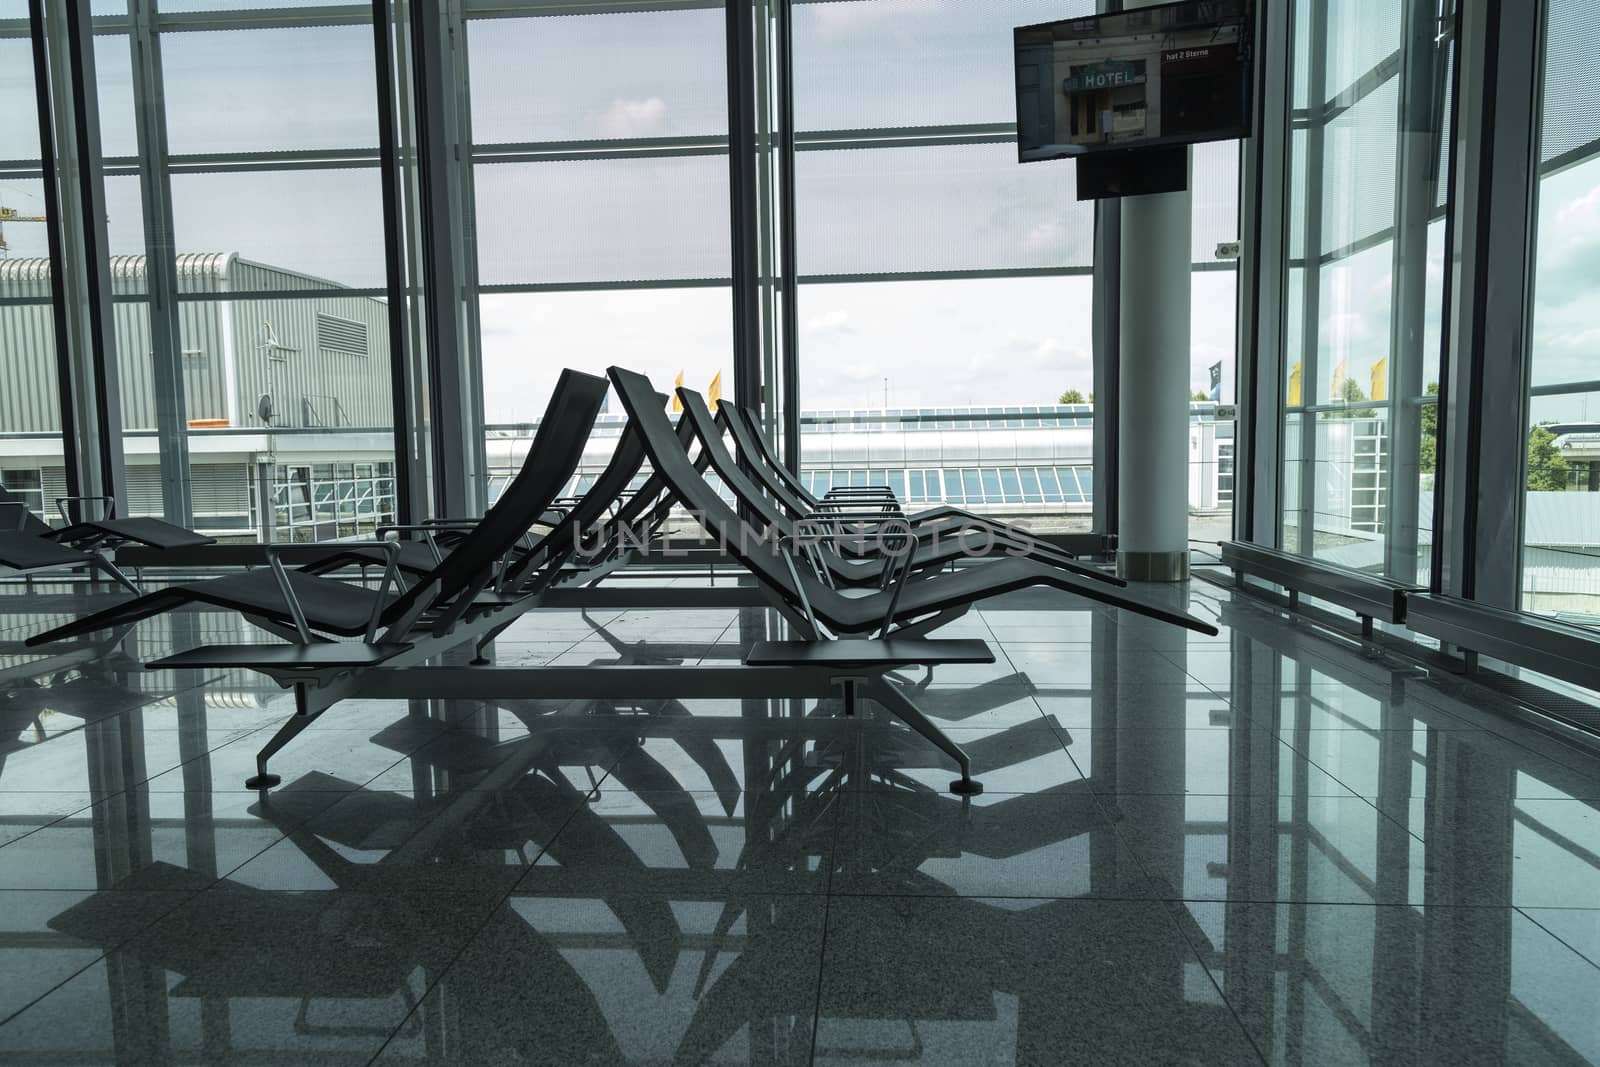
<point>286,392</point>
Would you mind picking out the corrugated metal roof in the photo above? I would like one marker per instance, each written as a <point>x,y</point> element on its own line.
<point>1569,519</point>
<point>190,265</point>
<point>24,270</point>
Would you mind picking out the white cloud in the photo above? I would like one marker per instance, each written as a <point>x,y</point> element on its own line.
<point>634,118</point>
<point>831,322</point>
<point>1043,237</point>
<point>1582,211</point>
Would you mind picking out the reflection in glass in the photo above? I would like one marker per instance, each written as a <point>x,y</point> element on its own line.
<point>1363,290</point>
<point>1561,542</point>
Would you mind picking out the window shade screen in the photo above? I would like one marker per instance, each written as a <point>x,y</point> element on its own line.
<point>968,207</point>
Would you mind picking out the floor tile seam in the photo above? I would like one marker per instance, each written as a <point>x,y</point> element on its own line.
<point>283,834</point>
<point>505,896</point>
<point>701,661</point>
<point>132,786</point>
<point>1064,735</point>
<point>1349,793</point>
<point>347,794</point>
<point>45,826</point>
<point>1168,909</point>
<point>592,792</point>
<point>107,951</point>
<point>1524,910</point>
<point>822,947</point>
<point>1573,752</point>
<point>1371,802</point>
<point>822,966</point>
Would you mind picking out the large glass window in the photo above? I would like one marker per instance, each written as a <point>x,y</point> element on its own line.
<point>940,279</point>
<point>1561,544</point>
<point>274,320</point>
<point>600,174</point>
<point>1363,287</point>
<point>937,275</point>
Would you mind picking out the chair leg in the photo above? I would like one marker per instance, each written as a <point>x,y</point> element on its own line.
<point>117,575</point>
<point>303,716</point>
<point>479,658</point>
<point>902,707</point>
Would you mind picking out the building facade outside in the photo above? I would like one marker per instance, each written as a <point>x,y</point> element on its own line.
<point>287,394</point>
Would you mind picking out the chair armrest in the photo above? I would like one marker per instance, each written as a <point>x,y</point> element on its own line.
<point>391,552</point>
<point>900,542</point>
<point>62,501</point>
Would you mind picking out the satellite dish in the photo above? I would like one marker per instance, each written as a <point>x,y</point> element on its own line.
<point>264,408</point>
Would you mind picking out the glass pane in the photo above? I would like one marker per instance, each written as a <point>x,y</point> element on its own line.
<point>1069,485</point>
<point>529,338</point>
<point>306,229</point>
<point>240,90</point>
<point>1561,536</point>
<point>968,207</point>
<point>1357,450</point>
<point>951,61</point>
<point>665,76</point>
<point>1010,485</point>
<point>604,220</point>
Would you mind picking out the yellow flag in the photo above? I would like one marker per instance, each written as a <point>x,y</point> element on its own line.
<point>677,383</point>
<point>1294,386</point>
<point>714,394</point>
<point>1341,378</point>
<point>1380,379</point>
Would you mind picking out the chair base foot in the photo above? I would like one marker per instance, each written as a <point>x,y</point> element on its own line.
<point>966,787</point>
<point>480,661</point>
<point>262,781</point>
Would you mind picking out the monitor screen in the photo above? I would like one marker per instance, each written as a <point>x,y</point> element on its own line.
<point>1167,75</point>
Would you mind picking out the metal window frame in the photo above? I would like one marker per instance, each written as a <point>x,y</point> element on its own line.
<point>70,453</point>
<point>1304,504</point>
<point>161,265</point>
<point>90,340</point>
<point>1263,262</point>
<point>448,260</point>
<point>743,202</point>
<point>1479,514</point>
<point>401,380</point>
<point>1416,192</point>
<point>86,360</point>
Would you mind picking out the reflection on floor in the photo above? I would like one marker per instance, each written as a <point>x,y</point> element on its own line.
<point>1263,846</point>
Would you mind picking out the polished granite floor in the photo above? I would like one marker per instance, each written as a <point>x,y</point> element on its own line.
<point>1191,850</point>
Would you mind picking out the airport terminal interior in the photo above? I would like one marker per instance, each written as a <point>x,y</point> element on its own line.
<point>799,532</point>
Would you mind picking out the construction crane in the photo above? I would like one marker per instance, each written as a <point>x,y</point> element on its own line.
<point>10,214</point>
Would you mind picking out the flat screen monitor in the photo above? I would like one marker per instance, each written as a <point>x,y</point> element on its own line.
<point>1167,75</point>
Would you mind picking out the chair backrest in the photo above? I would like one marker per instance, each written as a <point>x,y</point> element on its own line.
<point>671,461</point>
<point>747,491</point>
<point>556,452</point>
<point>759,460</point>
<point>654,499</point>
<point>609,487</point>
<point>14,510</point>
<point>746,431</point>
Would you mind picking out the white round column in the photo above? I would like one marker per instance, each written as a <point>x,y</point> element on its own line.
<point>1153,429</point>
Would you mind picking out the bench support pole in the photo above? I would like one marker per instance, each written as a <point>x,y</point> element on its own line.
<point>303,716</point>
